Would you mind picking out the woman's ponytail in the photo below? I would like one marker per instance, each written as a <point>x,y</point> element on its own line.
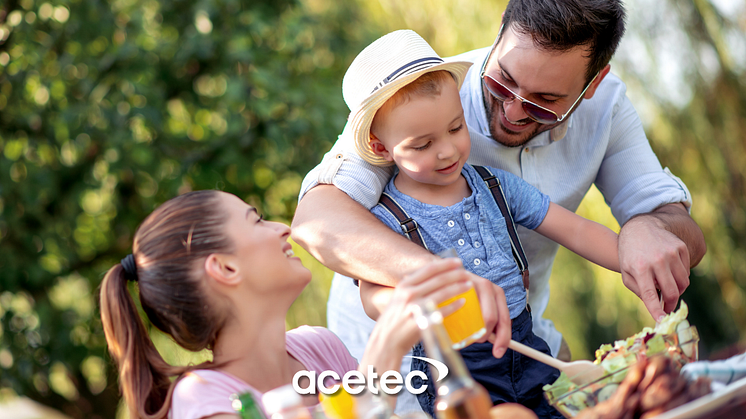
<point>170,246</point>
<point>143,374</point>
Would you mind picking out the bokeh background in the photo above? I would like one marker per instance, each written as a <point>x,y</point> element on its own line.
<point>110,107</point>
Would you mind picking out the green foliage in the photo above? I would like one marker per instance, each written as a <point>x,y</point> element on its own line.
<point>108,108</point>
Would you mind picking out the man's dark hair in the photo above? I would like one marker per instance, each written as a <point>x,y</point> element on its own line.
<point>561,25</point>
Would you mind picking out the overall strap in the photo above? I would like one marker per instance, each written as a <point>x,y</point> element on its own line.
<point>408,225</point>
<point>515,243</point>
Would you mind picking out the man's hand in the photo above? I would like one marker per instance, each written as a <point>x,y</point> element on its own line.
<point>656,251</point>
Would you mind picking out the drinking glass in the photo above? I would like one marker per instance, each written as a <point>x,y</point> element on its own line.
<point>466,325</point>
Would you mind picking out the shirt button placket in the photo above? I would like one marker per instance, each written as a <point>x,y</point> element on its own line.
<point>527,163</point>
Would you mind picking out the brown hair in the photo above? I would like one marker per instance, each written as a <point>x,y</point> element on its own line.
<point>168,248</point>
<point>565,24</point>
<point>427,85</point>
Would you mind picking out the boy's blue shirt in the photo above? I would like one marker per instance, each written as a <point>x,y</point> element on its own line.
<point>476,228</point>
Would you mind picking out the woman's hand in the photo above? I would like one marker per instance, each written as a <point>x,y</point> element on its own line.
<point>438,281</point>
<point>495,313</point>
<point>396,331</point>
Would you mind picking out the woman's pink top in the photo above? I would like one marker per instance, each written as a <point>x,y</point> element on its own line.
<point>203,393</point>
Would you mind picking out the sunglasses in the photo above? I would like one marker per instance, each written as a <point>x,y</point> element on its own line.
<point>536,112</point>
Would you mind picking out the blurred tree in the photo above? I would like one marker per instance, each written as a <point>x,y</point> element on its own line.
<point>108,109</point>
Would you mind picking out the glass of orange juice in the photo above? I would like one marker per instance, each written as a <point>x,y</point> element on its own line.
<point>466,324</point>
<point>340,405</point>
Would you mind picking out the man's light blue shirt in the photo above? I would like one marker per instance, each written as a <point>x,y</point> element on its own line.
<point>475,227</point>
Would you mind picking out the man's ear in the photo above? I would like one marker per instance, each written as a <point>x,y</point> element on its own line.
<point>592,88</point>
<point>379,149</point>
<point>223,269</point>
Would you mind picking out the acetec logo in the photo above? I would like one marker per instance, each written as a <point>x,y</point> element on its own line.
<point>354,382</point>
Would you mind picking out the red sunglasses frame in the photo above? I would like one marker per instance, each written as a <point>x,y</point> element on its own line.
<point>528,107</point>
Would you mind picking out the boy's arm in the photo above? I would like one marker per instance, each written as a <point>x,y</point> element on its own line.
<point>588,239</point>
<point>375,298</point>
<point>345,237</point>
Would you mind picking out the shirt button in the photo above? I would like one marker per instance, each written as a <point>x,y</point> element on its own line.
<point>467,216</point>
<point>338,156</point>
<point>525,149</point>
<point>460,242</point>
<point>451,223</point>
<point>476,244</point>
<point>477,262</point>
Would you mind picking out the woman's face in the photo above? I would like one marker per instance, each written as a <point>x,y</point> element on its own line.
<point>265,257</point>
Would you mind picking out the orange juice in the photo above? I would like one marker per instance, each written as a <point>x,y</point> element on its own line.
<point>340,405</point>
<point>466,325</point>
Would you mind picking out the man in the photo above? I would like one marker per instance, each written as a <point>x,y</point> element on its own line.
<point>541,104</point>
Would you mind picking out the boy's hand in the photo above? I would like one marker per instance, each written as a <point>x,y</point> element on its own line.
<point>495,312</point>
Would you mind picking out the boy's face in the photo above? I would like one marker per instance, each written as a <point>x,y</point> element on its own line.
<point>426,137</point>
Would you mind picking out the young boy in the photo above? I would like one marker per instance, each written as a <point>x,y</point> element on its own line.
<point>406,111</point>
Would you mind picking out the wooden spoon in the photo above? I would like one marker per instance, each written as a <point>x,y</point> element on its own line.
<point>580,372</point>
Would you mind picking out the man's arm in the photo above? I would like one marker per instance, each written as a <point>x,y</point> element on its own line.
<point>656,251</point>
<point>344,236</point>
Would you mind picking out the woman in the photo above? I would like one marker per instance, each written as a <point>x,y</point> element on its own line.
<point>212,274</point>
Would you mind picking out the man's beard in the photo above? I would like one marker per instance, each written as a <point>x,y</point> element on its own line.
<point>505,136</point>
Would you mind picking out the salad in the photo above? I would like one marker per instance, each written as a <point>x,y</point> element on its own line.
<point>672,337</point>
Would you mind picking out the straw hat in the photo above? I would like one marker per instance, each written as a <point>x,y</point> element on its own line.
<point>379,71</point>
